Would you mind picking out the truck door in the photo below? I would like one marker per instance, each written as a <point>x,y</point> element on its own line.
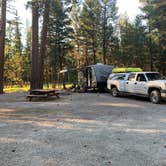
<point>129,83</point>
<point>140,84</point>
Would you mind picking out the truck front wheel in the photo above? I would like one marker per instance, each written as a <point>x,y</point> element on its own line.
<point>155,96</point>
<point>114,92</point>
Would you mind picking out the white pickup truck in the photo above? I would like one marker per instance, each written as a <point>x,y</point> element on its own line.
<point>148,84</point>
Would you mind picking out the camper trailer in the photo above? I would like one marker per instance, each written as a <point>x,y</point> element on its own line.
<point>88,77</point>
<point>95,76</point>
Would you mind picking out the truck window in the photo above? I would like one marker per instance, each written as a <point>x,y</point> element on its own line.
<point>131,77</point>
<point>153,76</point>
<point>116,76</point>
<point>141,77</point>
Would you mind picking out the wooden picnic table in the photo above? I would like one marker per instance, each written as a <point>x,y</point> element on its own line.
<point>42,93</point>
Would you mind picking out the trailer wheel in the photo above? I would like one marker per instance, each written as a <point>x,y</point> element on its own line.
<point>114,92</point>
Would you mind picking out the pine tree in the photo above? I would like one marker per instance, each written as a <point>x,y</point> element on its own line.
<point>59,36</point>
<point>108,21</point>
<point>89,29</point>
<point>154,14</point>
<point>13,68</point>
<point>133,50</point>
<point>76,7</point>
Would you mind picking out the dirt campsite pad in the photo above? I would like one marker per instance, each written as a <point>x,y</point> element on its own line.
<point>82,130</point>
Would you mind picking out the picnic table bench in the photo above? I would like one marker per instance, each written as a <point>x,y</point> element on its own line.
<point>42,93</point>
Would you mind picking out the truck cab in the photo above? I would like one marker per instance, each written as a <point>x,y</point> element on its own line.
<point>136,83</point>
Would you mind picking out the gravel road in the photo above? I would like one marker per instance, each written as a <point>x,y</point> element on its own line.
<point>82,130</point>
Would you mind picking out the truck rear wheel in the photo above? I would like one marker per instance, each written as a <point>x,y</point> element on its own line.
<point>114,92</point>
<point>155,96</point>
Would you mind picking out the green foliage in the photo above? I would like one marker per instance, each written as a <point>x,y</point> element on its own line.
<point>13,68</point>
<point>133,48</point>
<point>94,27</point>
<point>60,34</point>
<point>108,40</point>
<point>156,21</point>
<point>89,22</point>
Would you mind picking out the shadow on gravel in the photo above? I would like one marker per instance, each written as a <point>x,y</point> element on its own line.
<point>145,99</point>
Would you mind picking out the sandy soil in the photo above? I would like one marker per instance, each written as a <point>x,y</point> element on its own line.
<point>82,130</point>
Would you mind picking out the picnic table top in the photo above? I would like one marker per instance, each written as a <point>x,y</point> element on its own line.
<point>43,91</point>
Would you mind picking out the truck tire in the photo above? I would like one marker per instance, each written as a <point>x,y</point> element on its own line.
<point>114,92</point>
<point>155,96</point>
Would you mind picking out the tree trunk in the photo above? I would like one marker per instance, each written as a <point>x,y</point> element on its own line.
<point>2,42</point>
<point>86,55</point>
<point>44,41</point>
<point>35,48</point>
<point>94,45</point>
<point>94,51</point>
<point>104,35</point>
